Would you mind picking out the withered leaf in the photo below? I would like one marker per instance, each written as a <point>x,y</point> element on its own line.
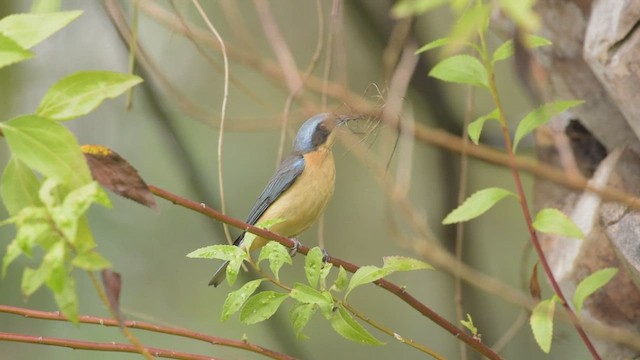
<point>116,174</point>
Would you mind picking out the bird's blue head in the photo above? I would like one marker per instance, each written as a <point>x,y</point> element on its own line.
<point>316,132</point>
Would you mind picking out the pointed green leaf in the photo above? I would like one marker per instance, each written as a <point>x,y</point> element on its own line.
<point>11,52</point>
<point>80,93</point>
<point>504,51</point>
<point>403,263</point>
<point>67,300</point>
<point>404,8</point>
<point>433,45</point>
<point>262,306</point>
<point>13,251</point>
<point>30,29</point>
<point>365,275</point>
<point>539,117</point>
<point>533,41</point>
<point>91,261</point>
<point>554,221</point>
<point>463,69</point>
<point>475,127</point>
<point>237,298</point>
<point>345,325</point>
<point>522,13</point>
<point>47,147</point>
<point>19,187</point>
<point>308,295</point>
<point>313,265</point>
<point>341,281</point>
<point>473,20</point>
<point>300,315</point>
<point>469,325</point>
<point>33,279</point>
<point>591,284</point>
<point>277,254</point>
<point>476,205</point>
<point>45,6</point>
<point>541,322</point>
<point>220,252</point>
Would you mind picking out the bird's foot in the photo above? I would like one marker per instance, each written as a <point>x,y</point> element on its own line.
<point>296,246</point>
<point>325,256</point>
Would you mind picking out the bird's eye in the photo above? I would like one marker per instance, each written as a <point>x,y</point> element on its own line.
<point>321,134</point>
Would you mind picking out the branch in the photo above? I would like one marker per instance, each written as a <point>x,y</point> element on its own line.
<point>96,346</point>
<point>352,268</point>
<point>85,319</point>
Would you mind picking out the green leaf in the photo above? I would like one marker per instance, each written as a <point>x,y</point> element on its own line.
<point>522,13</point>
<point>249,238</point>
<point>541,322</point>
<point>403,263</point>
<point>262,306</point>
<point>475,127</point>
<point>91,261</point>
<point>476,205</point>
<point>79,200</point>
<point>591,284</point>
<point>539,117</point>
<point>54,262</point>
<point>83,241</point>
<point>300,315</point>
<point>324,272</point>
<point>433,45</point>
<point>504,51</point>
<point>47,147</point>
<point>13,251</point>
<point>220,252</point>
<point>473,20</point>
<point>469,325</point>
<point>45,6</point>
<point>33,279</point>
<point>365,275</point>
<point>67,300</point>
<point>345,325</point>
<point>33,229</point>
<point>30,29</point>
<point>80,93</point>
<point>404,8</point>
<point>277,254</point>
<point>237,298</point>
<point>11,52</point>
<point>554,221</point>
<point>342,280</point>
<point>463,69</point>
<point>308,295</point>
<point>19,187</point>
<point>313,265</point>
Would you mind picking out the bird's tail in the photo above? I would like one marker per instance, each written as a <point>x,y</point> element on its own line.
<point>220,274</point>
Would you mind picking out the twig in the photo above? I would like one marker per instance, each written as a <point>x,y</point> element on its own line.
<point>392,288</point>
<point>175,331</point>
<point>97,346</point>
<point>223,110</point>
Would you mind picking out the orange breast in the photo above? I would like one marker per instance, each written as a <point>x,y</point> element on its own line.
<point>304,201</point>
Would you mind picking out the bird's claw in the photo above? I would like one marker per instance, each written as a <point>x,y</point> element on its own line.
<point>325,256</point>
<point>296,246</point>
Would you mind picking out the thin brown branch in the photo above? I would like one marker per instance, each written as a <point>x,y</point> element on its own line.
<point>175,331</point>
<point>97,346</point>
<point>390,287</point>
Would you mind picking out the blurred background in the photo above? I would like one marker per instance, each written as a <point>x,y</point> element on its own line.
<point>170,135</point>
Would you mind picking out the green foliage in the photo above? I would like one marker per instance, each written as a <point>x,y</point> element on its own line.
<point>468,324</point>
<point>80,93</point>
<point>554,221</point>
<point>261,306</point>
<point>236,299</point>
<point>591,284</point>
<point>541,322</point>
<point>539,117</point>
<point>344,324</point>
<point>463,69</point>
<point>476,205</point>
<point>277,254</point>
<point>29,30</point>
<point>475,127</point>
<point>48,212</point>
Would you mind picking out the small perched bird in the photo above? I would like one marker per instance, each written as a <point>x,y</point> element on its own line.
<point>301,186</point>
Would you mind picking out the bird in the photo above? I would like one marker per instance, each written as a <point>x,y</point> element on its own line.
<point>301,186</point>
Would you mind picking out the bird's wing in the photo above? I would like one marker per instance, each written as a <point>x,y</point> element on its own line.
<point>285,175</point>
